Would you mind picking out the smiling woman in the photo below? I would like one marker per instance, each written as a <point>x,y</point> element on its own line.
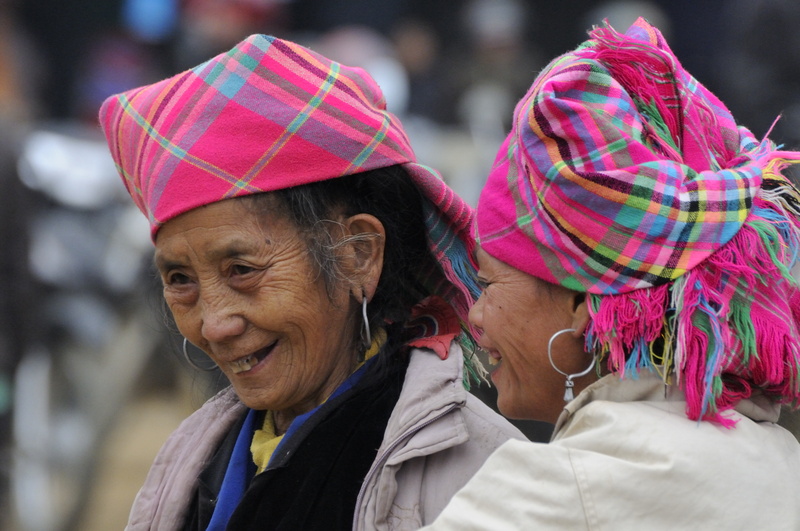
<point>636,247</point>
<point>328,276</point>
<point>244,289</point>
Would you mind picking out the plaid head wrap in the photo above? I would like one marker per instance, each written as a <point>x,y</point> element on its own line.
<point>625,178</point>
<point>267,115</point>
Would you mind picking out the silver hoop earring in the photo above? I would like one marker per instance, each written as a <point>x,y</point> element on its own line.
<point>367,336</point>
<point>189,360</point>
<point>569,384</point>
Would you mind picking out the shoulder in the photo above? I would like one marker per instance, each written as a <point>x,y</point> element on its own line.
<point>521,485</point>
<point>485,423</point>
<point>214,416</point>
<point>162,499</point>
<point>438,436</point>
<point>649,453</point>
<point>476,432</point>
<point>656,428</point>
<point>433,386</point>
<point>639,472</point>
<point>633,463</point>
<point>453,435</point>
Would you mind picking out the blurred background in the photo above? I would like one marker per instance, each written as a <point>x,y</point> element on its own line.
<point>91,379</point>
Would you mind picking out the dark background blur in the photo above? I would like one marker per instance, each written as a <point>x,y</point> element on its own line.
<point>70,54</point>
<point>451,69</point>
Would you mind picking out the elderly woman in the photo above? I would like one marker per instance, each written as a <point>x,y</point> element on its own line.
<point>326,274</point>
<point>636,247</point>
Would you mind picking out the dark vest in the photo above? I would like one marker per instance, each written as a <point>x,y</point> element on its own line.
<point>313,480</point>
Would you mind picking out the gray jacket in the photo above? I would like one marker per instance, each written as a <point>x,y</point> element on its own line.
<point>437,437</point>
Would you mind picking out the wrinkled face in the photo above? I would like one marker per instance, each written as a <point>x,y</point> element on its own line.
<point>242,287</point>
<point>518,313</point>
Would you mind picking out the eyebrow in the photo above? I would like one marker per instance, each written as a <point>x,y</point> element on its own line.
<point>165,264</point>
<point>231,250</point>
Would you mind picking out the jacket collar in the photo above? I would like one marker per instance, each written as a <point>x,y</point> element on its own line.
<point>646,386</point>
<point>433,388</point>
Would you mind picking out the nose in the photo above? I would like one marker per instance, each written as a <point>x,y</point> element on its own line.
<point>476,313</point>
<point>220,320</point>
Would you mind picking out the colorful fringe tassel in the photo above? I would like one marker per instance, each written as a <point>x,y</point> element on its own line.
<point>730,327</point>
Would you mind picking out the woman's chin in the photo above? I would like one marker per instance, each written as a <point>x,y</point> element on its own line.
<point>496,375</point>
<point>506,406</point>
<point>255,397</point>
<point>521,408</point>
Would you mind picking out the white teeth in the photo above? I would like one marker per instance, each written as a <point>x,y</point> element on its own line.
<point>242,365</point>
<point>493,361</point>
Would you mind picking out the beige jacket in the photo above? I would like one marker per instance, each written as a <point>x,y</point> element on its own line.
<point>437,437</point>
<point>624,456</point>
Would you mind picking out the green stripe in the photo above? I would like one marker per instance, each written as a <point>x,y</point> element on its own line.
<point>170,147</point>
<point>376,140</point>
<point>292,128</point>
<point>149,129</point>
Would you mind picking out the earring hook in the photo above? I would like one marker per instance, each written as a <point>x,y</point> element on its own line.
<point>569,394</point>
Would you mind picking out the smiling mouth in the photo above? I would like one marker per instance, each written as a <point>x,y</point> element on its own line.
<point>494,357</point>
<point>248,362</point>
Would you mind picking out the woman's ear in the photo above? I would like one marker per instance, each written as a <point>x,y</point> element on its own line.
<point>580,313</point>
<point>367,236</point>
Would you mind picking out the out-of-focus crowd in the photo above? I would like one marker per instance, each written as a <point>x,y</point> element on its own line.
<point>451,69</point>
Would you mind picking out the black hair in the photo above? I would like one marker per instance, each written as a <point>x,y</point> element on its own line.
<point>389,195</point>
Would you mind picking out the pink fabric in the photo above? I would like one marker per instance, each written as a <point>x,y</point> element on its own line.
<point>267,115</point>
<point>621,171</point>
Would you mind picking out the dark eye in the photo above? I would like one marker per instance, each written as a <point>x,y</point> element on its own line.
<point>241,269</point>
<point>176,279</point>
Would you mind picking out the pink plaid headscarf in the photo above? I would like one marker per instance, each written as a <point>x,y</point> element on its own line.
<point>267,115</point>
<point>634,172</point>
